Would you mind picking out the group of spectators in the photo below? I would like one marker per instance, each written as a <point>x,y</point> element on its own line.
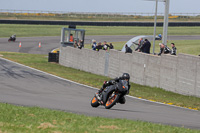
<point>166,50</point>
<point>144,46</point>
<point>78,44</point>
<point>101,46</point>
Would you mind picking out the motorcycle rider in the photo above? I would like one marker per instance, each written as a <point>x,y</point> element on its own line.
<point>125,77</point>
<point>13,36</point>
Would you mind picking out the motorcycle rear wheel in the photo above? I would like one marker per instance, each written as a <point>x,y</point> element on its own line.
<point>112,100</point>
<point>94,102</point>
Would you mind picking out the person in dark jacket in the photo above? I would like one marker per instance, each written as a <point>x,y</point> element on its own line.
<point>173,52</point>
<point>164,49</point>
<point>145,48</point>
<point>128,49</point>
<point>99,46</point>
<point>111,46</point>
<point>105,46</point>
<point>80,45</point>
<point>125,76</point>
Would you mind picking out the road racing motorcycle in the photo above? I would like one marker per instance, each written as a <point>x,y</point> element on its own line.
<point>111,95</point>
<point>12,38</point>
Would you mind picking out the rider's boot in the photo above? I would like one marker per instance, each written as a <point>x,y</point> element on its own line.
<point>98,94</point>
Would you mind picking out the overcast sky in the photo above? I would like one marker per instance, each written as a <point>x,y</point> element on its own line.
<point>176,6</point>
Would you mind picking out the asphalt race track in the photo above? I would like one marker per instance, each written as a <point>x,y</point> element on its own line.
<point>21,85</point>
<point>30,44</point>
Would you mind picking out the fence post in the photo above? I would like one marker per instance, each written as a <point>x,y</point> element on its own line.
<point>106,64</point>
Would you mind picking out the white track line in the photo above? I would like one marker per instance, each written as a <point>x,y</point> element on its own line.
<point>90,86</point>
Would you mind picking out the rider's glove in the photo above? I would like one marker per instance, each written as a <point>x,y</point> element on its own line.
<point>105,84</point>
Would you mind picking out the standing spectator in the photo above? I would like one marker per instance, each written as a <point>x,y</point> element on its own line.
<point>111,46</point>
<point>173,52</point>
<point>146,47</point>
<point>80,45</point>
<point>75,44</point>
<point>140,43</point>
<point>105,46</point>
<point>94,44</point>
<point>81,42</point>
<point>164,49</point>
<point>128,49</point>
<point>71,38</point>
<point>99,46</point>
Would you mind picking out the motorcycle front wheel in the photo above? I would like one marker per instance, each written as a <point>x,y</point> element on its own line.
<point>112,100</point>
<point>94,102</point>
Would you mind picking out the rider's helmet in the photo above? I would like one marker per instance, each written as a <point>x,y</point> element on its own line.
<point>126,76</point>
<point>13,36</point>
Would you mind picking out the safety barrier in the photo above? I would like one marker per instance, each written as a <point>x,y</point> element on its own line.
<point>180,74</point>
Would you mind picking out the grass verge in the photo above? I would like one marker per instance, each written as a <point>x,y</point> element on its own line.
<point>152,93</point>
<point>6,30</point>
<point>19,119</point>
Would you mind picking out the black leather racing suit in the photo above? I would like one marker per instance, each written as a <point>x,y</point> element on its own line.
<point>113,82</point>
<point>165,50</point>
<point>173,52</point>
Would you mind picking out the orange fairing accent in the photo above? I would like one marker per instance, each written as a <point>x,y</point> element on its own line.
<point>110,101</point>
<point>94,100</point>
<point>124,87</point>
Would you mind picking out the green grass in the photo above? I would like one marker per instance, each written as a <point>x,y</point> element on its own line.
<point>94,17</point>
<point>23,119</point>
<point>183,46</point>
<point>146,92</point>
<point>7,30</point>
<point>17,119</point>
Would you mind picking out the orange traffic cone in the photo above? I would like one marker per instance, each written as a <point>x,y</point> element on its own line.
<point>20,44</point>
<point>39,44</point>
